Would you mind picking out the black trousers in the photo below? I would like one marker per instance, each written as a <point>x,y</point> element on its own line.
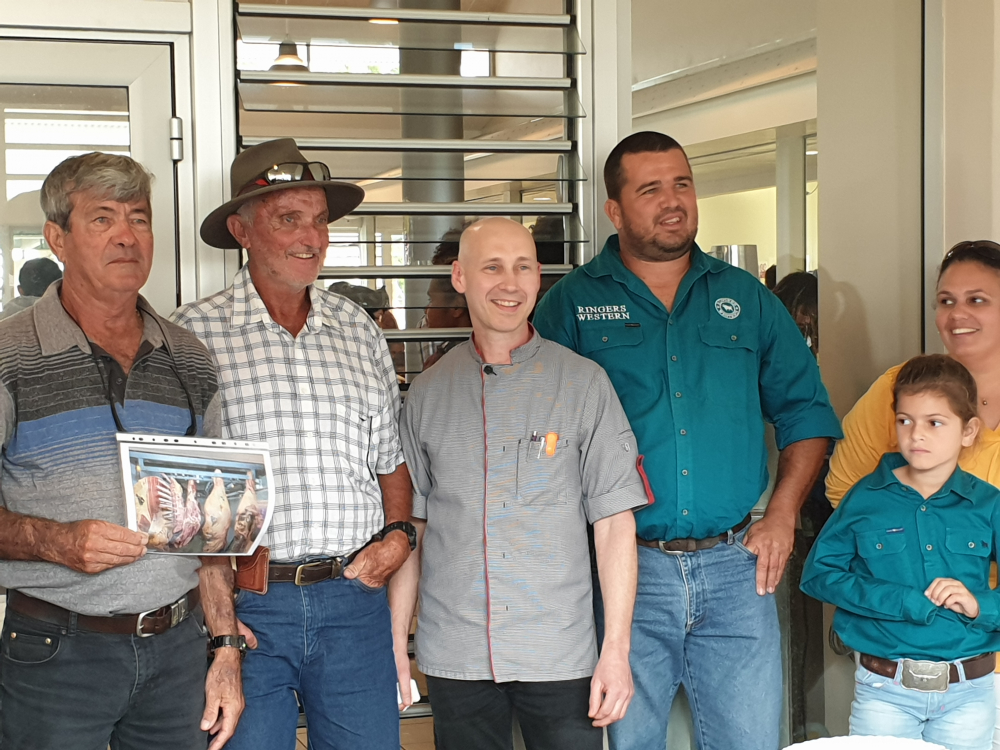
<point>478,714</point>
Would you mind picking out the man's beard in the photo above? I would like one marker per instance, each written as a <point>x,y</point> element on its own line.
<point>650,249</point>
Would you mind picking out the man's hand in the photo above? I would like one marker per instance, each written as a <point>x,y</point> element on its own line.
<point>94,546</point>
<point>223,697</point>
<point>376,563</point>
<point>953,595</point>
<point>771,539</point>
<point>611,688</point>
<point>403,674</point>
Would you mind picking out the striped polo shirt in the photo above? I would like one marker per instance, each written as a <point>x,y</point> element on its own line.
<point>505,585</point>
<point>60,458</point>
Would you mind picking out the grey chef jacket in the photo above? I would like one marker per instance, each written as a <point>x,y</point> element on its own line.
<point>505,586</point>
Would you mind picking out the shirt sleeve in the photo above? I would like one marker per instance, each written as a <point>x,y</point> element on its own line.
<point>869,432</point>
<point>554,316</point>
<point>390,451</point>
<point>416,457</point>
<point>8,419</point>
<point>829,576</point>
<point>793,397</point>
<point>608,452</point>
<point>989,601</point>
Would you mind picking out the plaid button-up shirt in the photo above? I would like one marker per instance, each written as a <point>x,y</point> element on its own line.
<point>325,401</point>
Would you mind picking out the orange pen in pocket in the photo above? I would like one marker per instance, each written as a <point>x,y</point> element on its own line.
<point>551,439</point>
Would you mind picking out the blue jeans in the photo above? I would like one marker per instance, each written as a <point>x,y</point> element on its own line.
<point>960,719</point>
<point>330,644</point>
<point>698,621</point>
<point>67,688</point>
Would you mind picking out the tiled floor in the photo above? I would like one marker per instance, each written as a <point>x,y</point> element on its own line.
<point>415,734</point>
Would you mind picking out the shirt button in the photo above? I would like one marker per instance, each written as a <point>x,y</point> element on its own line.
<point>684,432</point>
<point>971,545</point>
<point>733,338</point>
<point>930,547</point>
<point>678,394</point>
<point>670,322</point>
<point>878,546</point>
<point>685,472</point>
<point>604,338</point>
<point>684,512</point>
<point>673,358</point>
<point>923,507</point>
<point>118,381</point>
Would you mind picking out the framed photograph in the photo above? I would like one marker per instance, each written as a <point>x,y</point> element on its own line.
<point>197,496</point>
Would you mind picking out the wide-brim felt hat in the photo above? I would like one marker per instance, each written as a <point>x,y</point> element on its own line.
<point>251,165</point>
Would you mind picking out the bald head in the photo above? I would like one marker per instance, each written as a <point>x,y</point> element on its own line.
<point>498,272</point>
<point>493,232</point>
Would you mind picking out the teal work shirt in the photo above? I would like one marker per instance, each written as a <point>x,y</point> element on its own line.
<point>884,545</point>
<point>697,383</point>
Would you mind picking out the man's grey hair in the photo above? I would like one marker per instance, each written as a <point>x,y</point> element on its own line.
<point>248,210</point>
<point>112,176</point>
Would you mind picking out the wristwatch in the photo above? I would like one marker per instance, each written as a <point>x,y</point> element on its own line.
<point>238,642</point>
<point>406,527</point>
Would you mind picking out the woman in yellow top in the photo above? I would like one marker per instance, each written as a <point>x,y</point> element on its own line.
<point>968,321</point>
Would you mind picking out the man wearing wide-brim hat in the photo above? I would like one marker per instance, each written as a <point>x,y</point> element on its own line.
<point>309,372</point>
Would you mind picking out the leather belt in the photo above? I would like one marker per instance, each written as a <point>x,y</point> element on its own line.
<point>674,546</point>
<point>977,666</point>
<point>144,624</point>
<point>305,574</point>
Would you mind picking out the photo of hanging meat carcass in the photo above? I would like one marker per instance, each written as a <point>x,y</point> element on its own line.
<point>189,503</point>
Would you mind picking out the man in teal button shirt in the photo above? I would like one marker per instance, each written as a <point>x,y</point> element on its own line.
<point>701,355</point>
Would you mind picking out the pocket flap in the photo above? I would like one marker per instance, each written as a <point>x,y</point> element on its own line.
<point>599,337</point>
<point>727,335</point>
<point>876,543</point>
<point>967,542</point>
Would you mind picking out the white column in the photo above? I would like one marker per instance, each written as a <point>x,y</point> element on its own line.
<point>790,176</point>
<point>605,75</point>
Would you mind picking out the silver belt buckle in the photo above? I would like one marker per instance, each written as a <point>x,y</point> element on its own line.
<point>178,611</point>
<point>925,676</point>
<point>138,623</point>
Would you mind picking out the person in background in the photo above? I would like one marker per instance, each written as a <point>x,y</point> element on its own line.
<point>515,444</point>
<point>771,277</point>
<point>446,308</point>
<point>701,355</point>
<point>376,304</point>
<point>309,372</point>
<point>103,643</point>
<point>35,277</point>
<point>905,558</point>
<point>967,317</point>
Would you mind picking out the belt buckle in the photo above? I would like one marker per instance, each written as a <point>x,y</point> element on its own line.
<point>138,623</point>
<point>676,552</point>
<point>304,566</point>
<point>925,676</point>
<point>178,611</point>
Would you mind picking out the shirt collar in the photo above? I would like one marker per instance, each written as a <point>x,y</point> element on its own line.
<point>609,263</point>
<point>57,331</point>
<point>523,353</point>
<point>960,482</point>
<point>249,307</point>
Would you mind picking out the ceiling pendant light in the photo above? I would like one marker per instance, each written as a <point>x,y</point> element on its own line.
<point>288,60</point>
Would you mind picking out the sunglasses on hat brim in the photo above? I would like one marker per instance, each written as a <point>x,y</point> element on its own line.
<point>287,172</point>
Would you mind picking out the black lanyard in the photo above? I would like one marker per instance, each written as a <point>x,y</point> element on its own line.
<point>192,429</point>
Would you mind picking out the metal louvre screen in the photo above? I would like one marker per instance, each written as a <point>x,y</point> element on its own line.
<point>444,111</point>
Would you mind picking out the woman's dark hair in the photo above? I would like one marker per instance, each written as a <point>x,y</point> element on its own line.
<point>940,374</point>
<point>983,252</point>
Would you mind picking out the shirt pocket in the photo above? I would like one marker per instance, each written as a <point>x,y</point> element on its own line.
<point>542,479</point>
<point>967,541</point>
<point>598,337</point>
<point>353,440</point>
<point>727,335</point>
<point>880,551</point>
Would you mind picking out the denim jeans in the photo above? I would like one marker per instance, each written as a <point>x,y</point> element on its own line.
<point>960,719</point>
<point>330,644</point>
<point>64,688</point>
<point>478,714</point>
<point>698,621</point>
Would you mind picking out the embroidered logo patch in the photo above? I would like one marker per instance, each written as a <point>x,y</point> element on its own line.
<point>602,312</point>
<point>727,308</point>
